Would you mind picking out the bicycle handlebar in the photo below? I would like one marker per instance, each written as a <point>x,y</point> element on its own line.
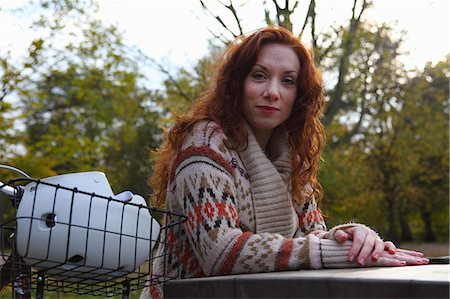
<point>8,190</point>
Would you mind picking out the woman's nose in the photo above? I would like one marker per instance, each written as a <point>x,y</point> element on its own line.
<point>272,91</point>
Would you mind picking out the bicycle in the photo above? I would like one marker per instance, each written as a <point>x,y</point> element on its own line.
<point>70,233</point>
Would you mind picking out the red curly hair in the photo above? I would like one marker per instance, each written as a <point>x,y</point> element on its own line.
<point>222,103</point>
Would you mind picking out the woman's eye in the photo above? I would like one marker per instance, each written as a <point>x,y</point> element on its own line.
<point>258,76</point>
<point>289,81</point>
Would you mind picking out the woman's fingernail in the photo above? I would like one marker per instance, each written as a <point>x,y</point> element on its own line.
<point>403,263</point>
<point>391,251</point>
<point>375,257</point>
<point>351,258</point>
<point>362,261</point>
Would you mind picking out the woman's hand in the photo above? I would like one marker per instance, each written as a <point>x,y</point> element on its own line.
<point>401,257</point>
<point>368,246</point>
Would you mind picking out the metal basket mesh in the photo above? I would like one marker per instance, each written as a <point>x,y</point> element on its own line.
<point>29,240</point>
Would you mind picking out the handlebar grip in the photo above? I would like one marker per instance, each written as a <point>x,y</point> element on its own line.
<point>8,190</point>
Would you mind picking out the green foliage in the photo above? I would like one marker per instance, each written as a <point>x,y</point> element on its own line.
<point>425,147</point>
<point>8,77</point>
<point>395,176</point>
<point>186,86</point>
<point>84,105</point>
<point>6,123</point>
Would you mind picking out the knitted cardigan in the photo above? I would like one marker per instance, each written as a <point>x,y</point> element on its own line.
<point>241,217</point>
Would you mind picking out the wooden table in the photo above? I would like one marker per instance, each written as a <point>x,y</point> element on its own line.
<point>430,281</point>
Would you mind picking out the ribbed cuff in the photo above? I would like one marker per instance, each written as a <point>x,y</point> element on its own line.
<point>314,251</point>
<point>334,254</point>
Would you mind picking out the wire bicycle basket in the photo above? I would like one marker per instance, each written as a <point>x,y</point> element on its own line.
<point>70,233</point>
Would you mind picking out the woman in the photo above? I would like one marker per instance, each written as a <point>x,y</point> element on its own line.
<point>242,166</point>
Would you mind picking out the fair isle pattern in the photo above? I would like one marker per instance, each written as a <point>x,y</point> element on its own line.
<point>284,254</point>
<point>231,256</point>
<point>195,154</point>
<point>310,217</point>
<point>212,186</point>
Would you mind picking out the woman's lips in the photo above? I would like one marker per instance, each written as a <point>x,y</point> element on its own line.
<point>267,109</point>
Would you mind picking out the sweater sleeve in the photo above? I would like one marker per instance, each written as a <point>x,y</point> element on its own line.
<point>203,186</point>
<point>310,218</point>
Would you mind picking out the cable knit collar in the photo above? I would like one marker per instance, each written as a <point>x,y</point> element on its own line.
<point>274,212</point>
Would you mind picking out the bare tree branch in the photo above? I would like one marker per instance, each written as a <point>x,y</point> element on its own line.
<point>278,8</point>
<point>365,4</point>
<point>312,13</point>
<point>356,128</point>
<point>365,111</point>
<point>336,100</point>
<point>354,9</point>
<point>308,14</point>
<point>4,93</point>
<point>219,19</point>
<point>284,14</point>
<point>267,14</point>
<point>231,8</point>
<point>325,52</point>
<point>166,72</point>
<point>220,36</point>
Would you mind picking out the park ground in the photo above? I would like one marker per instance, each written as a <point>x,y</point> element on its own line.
<point>429,249</point>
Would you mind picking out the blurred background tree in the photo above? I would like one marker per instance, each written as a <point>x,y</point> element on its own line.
<point>84,104</point>
<point>374,155</point>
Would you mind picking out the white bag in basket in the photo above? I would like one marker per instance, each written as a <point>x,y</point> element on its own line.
<point>83,238</point>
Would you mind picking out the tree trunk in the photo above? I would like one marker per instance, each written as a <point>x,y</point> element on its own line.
<point>389,197</point>
<point>392,228</point>
<point>427,220</point>
<point>406,234</point>
<point>336,102</point>
<point>403,211</point>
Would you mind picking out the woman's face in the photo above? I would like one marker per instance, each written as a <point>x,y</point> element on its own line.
<point>270,89</point>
